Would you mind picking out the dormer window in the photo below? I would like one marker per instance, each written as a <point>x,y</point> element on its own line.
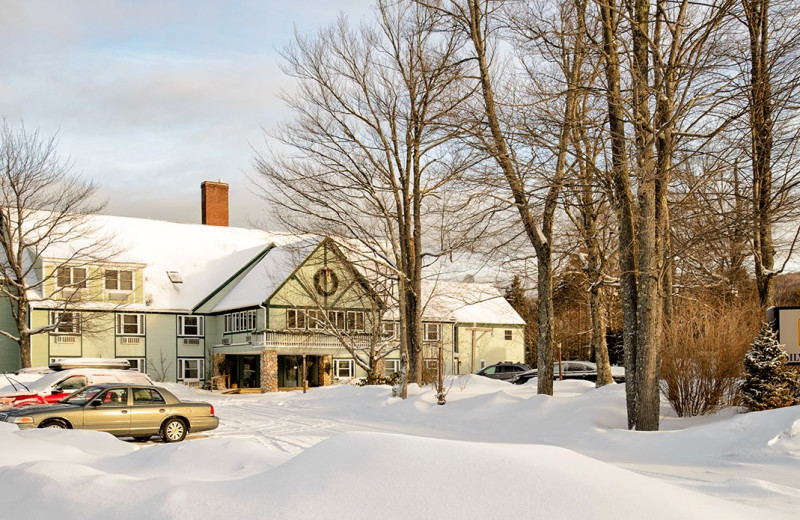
<point>72,277</point>
<point>119,280</point>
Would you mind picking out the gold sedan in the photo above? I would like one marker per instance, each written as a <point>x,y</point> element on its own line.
<point>123,410</point>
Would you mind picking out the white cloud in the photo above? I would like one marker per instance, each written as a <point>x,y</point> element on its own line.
<point>151,98</point>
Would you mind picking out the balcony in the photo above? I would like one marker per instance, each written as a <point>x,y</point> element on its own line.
<point>297,342</point>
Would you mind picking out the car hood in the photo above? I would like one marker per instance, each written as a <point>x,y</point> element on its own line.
<point>36,408</point>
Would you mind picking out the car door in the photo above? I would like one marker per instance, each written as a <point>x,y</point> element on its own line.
<point>109,412</point>
<point>148,411</point>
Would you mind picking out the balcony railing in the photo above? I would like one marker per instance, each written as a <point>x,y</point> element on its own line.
<point>310,340</point>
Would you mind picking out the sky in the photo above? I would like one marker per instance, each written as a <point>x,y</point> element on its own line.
<point>151,98</point>
<point>494,451</point>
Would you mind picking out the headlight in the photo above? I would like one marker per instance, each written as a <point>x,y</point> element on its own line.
<point>20,420</point>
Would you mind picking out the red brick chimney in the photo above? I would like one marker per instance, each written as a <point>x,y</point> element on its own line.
<point>214,200</point>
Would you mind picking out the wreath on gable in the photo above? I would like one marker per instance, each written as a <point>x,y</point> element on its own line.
<point>326,282</point>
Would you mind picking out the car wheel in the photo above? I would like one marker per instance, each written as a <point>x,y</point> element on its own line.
<point>174,430</point>
<point>54,423</point>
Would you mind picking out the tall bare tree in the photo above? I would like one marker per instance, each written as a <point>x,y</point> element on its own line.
<point>370,147</point>
<point>515,143</point>
<point>773,38</point>
<point>43,209</point>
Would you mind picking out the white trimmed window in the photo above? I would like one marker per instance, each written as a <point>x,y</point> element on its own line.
<point>344,368</point>
<point>337,319</point>
<point>392,367</point>
<point>72,277</point>
<point>130,324</point>
<point>431,331</point>
<point>355,321</point>
<point>240,321</point>
<point>190,325</point>
<point>191,369</point>
<point>295,318</point>
<point>316,319</point>
<point>118,280</point>
<point>68,322</point>
<point>389,329</point>
<point>509,334</point>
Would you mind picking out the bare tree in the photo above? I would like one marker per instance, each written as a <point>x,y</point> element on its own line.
<point>771,90</point>
<point>370,148</point>
<point>532,168</point>
<point>43,216</point>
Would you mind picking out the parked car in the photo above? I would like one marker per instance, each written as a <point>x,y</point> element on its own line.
<point>52,387</point>
<point>585,370</point>
<point>505,370</point>
<point>124,410</point>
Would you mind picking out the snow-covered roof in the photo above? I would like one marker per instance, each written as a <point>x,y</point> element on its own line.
<point>203,256</point>
<point>267,275</point>
<point>184,265</point>
<point>467,303</point>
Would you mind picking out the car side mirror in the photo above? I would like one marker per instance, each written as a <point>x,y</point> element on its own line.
<point>57,390</point>
<point>96,402</point>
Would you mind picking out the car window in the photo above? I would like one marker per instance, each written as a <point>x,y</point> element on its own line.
<point>115,397</point>
<point>83,395</point>
<point>72,383</point>
<point>143,396</point>
<point>490,370</point>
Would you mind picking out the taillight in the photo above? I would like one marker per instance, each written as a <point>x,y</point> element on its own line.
<point>212,409</point>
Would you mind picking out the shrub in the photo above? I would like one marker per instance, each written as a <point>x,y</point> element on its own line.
<point>768,383</point>
<point>702,356</point>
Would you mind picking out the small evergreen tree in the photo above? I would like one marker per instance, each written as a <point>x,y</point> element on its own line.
<point>768,383</point>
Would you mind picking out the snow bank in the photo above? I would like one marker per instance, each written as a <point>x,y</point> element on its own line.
<point>494,451</point>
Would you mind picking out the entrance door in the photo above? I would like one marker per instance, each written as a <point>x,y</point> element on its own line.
<point>290,371</point>
<point>248,372</point>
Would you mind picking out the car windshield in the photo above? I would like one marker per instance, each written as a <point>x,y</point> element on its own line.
<point>83,395</point>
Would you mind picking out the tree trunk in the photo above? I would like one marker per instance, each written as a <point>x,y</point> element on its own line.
<point>757,17</point>
<point>599,346</point>
<point>545,320</point>
<point>623,201</point>
<point>649,304</point>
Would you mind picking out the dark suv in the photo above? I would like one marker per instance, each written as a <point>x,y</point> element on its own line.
<point>505,370</point>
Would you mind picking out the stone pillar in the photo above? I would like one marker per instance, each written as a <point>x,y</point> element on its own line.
<point>218,360</point>
<point>269,371</point>
<point>325,370</point>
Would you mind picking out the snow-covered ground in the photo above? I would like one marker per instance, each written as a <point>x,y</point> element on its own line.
<point>495,450</point>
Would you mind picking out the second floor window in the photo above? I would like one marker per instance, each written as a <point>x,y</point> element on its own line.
<point>355,321</point>
<point>190,325</point>
<point>337,319</point>
<point>295,319</point>
<point>240,321</point>
<point>67,322</point>
<point>72,277</point>
<point>431,332</point>
<point>302,319</point>
<point>130,324</point>
<point>117,280</point>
